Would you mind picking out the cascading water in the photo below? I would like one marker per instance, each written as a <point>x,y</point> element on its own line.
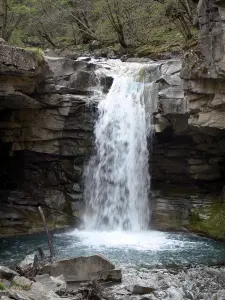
<point>117,178</point>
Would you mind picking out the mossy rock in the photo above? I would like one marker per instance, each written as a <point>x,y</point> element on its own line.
<point>39,54</point>
<point>213,224</point>
<point>19,287</point>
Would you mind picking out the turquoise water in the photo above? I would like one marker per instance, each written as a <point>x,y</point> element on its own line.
<point>150,249</point>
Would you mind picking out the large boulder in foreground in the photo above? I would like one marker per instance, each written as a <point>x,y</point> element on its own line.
<point>84,268</point>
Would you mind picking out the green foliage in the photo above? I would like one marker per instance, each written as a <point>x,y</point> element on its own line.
<point>147,25</point>
<point>2,286</point>
<point>15,38</point>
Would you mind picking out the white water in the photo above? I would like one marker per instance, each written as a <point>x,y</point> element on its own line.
<point>117,178</point>
<point>141,241</point>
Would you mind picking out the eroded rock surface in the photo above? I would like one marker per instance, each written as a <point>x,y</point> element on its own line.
<point>46,125</point>
<point>188,155</point>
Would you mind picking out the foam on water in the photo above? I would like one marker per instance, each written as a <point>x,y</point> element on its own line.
<point>144,240</point>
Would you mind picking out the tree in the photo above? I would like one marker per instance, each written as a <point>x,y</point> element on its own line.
<point>81,15</point>
<point>182,13</point>
<point>4,18</point>
<point>12,14</point>
<point>113,12</point>
<point>122,23</point>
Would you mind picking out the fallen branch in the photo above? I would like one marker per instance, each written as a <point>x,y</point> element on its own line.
<point>50,244</point>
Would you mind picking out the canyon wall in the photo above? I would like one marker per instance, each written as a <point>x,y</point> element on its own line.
<point>188,160</point>
<point>46,133</point>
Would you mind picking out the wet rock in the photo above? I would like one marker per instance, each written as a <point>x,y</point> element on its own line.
<point>141,290</point>
<point>106,82</point>
<point>6,273</point>
<point>112,55</point>
<point>28,261</point>
<point>138,60</point>
<point>84,268</point>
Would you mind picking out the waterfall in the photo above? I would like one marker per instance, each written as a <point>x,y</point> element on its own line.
<point>117,180</point>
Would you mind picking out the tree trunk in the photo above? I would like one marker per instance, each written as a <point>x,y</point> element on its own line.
<point>4,16</point>
<point>51,249</point>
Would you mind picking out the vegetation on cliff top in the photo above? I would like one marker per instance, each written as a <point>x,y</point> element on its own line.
<point>145,26</point>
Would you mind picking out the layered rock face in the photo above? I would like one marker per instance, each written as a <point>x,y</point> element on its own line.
<point>46,122</point>
<point>188,154</point>
<point>46,137</point>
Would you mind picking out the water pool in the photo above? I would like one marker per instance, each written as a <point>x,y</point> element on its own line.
<point>148,249</point>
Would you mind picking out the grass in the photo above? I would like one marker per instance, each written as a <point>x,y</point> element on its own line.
<point>2,286</point>
<point>39,54</point>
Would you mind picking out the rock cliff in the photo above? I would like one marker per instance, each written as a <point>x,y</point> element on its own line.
<point>46,123</point>
<point>46,137</point>
<point>188,153</point>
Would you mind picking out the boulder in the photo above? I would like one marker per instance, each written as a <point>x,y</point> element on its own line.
<point>84,268</point>
<point>19,62</point>
<point>6,273</point>
<point>6,283</point>
<point>94,45</point>
<point>2,41</point>
<point>37,292</point>
<point>22,282</point>
<point>28,261</point>
<point>56,284</point>
<point>141,290</point>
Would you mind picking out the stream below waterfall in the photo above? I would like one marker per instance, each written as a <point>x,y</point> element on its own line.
<point>177,265</point>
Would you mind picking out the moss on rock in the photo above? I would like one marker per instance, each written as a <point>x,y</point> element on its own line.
<point>38,52</point>
<point>212,224</point>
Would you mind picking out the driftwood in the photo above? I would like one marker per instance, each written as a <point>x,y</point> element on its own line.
<point>91,290</point>
<point>34,268</point>
<point>50,244</point>
<point>29,271</point>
